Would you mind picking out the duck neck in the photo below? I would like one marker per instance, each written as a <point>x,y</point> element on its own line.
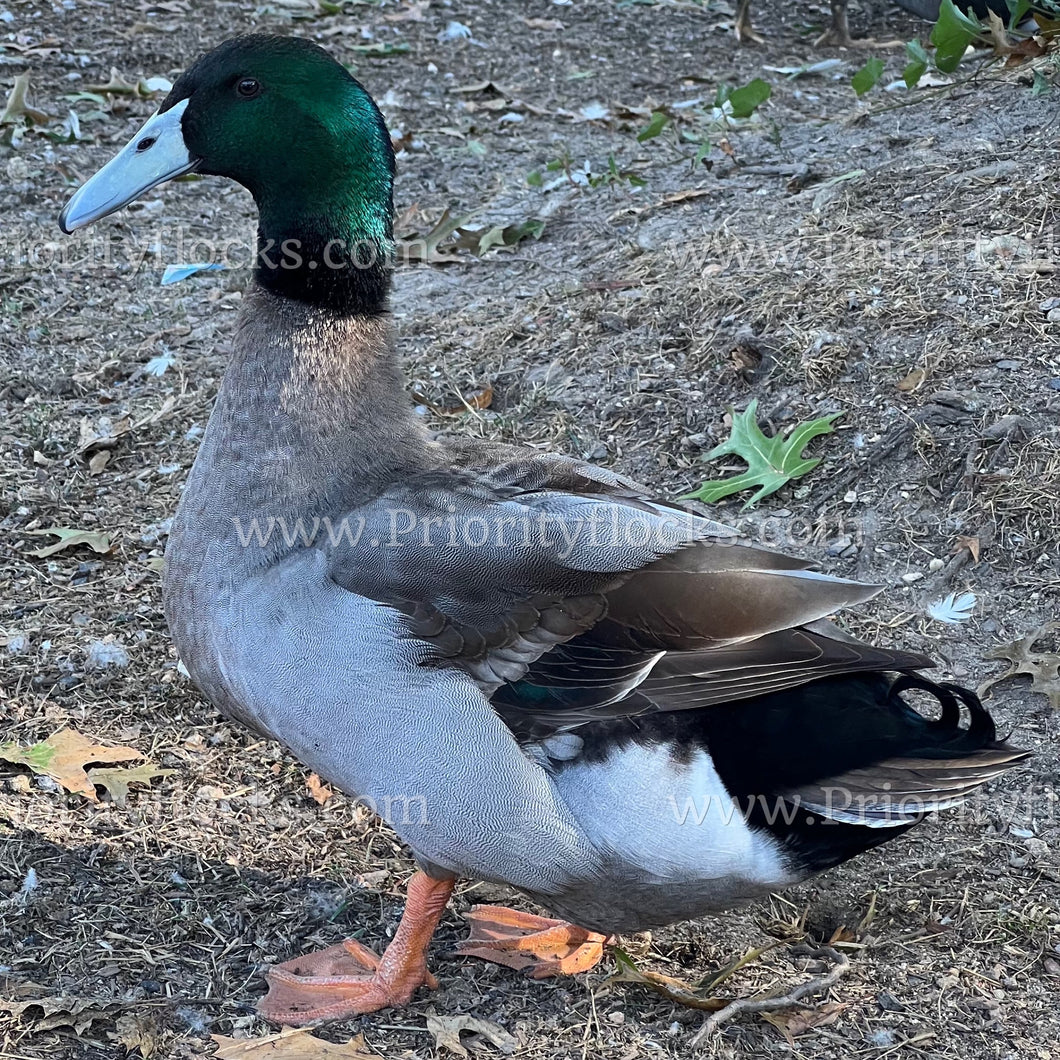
<point>337,256</point>
<point>312,420</point>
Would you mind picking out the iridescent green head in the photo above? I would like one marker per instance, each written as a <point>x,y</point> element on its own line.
<point>281,117</point>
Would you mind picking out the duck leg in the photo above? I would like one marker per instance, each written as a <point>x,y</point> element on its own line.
<point>838,33</point>
<point>742,27</point>
<point>536,944</point>
<point>349,979</point>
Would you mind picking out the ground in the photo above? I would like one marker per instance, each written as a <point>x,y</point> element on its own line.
<point>912,295</point>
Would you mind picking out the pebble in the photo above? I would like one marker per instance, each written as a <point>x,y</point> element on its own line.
<point>912,577</point>
<point>1053,316</point>
<point>850,497</point>
<point>840,545</point>
<point>936,564</point>
<point>1048,304</point>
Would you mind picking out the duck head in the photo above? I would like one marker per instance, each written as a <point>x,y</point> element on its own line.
<point>281,117</point>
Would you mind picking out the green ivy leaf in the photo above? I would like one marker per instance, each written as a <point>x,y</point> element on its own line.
<point>951,35</point>
<point>1017,11</point>
<point>1041,86</point>
<point>745,101</point>
<point>919,60</point>
<point>658,122</point>
<point>771,462</point>
<point>867,76</point>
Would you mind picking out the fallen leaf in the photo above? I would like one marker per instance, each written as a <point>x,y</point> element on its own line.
<point>117,781</point>
<point>471,402</point>
<point>771,462</point>
<point>998,36</point>
<point>447,1031</point>
<point>63,757</point>
<point>50,1013</point>
<point>137,1031</point>
<point>104,434</point>
<point>1043,668</point>
<point>318,789</point>
<point>428,247</point>
<point>118,86</point>
<point>17,109</point>
<point>69,537</point>
<point>800,1020</point>
<point>913,381</point>
<point>291,1043</point>
<point>973,545</point>
<point>684,196</point>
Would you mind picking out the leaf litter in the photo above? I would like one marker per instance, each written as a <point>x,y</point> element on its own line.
<point>1042,667</point>
<point>291,1043</point>
<point>447,1030</point>
<point>64,756</point>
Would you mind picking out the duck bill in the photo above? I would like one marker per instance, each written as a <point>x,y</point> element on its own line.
<point>157,153</point>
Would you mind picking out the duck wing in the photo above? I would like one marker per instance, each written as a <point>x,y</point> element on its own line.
<point>560,587</point>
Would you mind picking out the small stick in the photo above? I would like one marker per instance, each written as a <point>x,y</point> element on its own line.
<point>712,1024</point>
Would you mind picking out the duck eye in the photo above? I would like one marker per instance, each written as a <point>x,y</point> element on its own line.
<point>248,87</point>
<point>145,143</point>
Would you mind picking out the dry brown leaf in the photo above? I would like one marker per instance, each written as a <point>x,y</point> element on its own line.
<point>799,1021</point>
<point>137,1031</point>
<point>70,537</point>
<point>291,1043</point>
<point>842,934</point>
<point>117,781</point>
<point>1043,668</point>
<point>63,757</point>
<point>684,196</point>
<point>17,109</point>
<point>318,789</point>
<point>104,434</point>
<point>998,35</point>
<point>48,1013</point>
<point>447,1031</point>
<point>470,402</point>
<point>913,381</point>
<point>973,545</point>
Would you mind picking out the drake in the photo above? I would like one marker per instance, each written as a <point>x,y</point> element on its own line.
<point>538,672</point>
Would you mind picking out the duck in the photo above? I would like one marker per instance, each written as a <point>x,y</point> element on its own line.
<point>539,672</point>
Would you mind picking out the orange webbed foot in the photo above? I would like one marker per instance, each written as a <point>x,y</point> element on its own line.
<point>349,979</point>
<point>538,945</point>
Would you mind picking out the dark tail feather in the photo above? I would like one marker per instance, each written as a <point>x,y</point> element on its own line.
<point>981,730</point>
<point>933,773</point>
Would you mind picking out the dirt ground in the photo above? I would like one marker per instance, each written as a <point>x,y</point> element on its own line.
<point>913,295</point>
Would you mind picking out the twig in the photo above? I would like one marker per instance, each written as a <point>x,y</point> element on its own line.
<point>712,1024</point>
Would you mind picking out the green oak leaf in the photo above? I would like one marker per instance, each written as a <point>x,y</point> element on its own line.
<point>771,462</point>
